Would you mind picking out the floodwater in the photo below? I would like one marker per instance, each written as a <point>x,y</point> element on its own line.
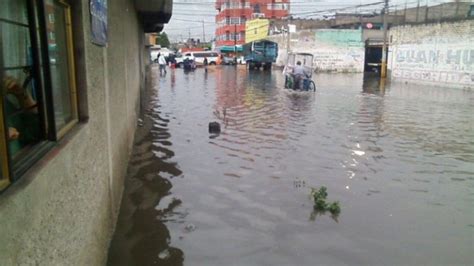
<point>400,161</point>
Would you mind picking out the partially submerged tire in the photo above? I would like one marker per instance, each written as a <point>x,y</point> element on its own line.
<point>289,82</point>
<point>312,86</point>
<point>251,65</point>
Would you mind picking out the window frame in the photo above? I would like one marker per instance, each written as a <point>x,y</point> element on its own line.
<point>4,167</point>
<point>71,70</point>
<point>13,168</point>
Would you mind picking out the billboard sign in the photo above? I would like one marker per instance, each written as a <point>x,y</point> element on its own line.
<point>256,29</point>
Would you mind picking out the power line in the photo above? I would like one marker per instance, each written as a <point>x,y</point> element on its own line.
<point>304,9</point>
<point>189,20</point>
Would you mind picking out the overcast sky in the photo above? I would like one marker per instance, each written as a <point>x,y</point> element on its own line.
<point>189,16</point>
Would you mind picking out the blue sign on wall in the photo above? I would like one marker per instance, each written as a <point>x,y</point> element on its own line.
<point>98,10</point>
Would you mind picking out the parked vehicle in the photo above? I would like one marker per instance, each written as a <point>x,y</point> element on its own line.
<point>241,60</point>
<point>156,50</point>
<point>260,53</point>
<point>228,60</point>
<point>211,57</point>
<point>198,58</point>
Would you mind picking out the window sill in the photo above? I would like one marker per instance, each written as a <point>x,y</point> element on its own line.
<point>4,184</point>
<point>27,169</point>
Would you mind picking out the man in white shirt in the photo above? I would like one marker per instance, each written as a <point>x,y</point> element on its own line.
<point>162,63</point>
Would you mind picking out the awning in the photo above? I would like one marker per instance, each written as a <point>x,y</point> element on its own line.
<point>229,49</point>
<point>154,13</point>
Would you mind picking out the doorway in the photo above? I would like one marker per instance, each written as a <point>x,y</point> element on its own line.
<point>373,58</point>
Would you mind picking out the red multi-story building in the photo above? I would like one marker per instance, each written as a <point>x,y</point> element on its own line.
<point>232,15</point>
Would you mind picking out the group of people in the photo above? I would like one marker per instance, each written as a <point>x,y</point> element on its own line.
<point>188,63</point>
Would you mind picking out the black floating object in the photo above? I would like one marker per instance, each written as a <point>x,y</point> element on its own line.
<point>214,127</point>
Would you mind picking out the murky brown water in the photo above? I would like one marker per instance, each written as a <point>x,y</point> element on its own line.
<point>399,160</point>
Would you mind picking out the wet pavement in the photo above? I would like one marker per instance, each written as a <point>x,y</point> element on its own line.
<point>400,161</point>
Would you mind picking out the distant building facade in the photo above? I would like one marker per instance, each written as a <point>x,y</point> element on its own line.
<point>232,15</point>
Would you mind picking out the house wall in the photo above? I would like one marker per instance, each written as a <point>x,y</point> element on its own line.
<point>334,50</point>
<point>63,211</point>
<point>438,53</point>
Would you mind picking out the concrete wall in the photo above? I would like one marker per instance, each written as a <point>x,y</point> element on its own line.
<point>398,15</point>
<point>301,24</point>
<point>63,211</point>
<point>438,53</point>
<point>435,13</point>
<point>334,50</point>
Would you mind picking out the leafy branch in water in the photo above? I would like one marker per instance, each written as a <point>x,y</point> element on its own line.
<point>320,205</point>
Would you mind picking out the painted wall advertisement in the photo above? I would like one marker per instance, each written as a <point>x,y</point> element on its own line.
<point>440,53</point>
<point>443,61</point>
<point>339,50</point>
<point>98,10</point>
<point>256,29</point>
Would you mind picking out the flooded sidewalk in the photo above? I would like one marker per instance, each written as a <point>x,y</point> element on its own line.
<point>399,159</point>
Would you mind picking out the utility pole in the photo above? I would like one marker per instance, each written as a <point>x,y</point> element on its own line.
<point>288,32</point>
<point>288,38</point>
<point>203,32</point>
<point>417,10</point>
<point>426,12</point>
<point>405,13</point>
<point>235,40</point>
<point>457,9</point>
<point>383,70</point>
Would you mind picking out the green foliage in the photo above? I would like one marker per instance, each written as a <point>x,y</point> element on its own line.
<point>334,208</point>
<point>320,205</point>
<point>163,40</point>
<point>319,194</point>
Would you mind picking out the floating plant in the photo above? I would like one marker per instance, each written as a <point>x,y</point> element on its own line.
<point>321,206</point>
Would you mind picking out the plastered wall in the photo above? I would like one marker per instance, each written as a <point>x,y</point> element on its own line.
<point>334,50</point>
<point>440,53</point>
<point>64,210</point>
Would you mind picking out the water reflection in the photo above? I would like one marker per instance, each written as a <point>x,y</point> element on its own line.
<point>373,84</point>
<point>399,160</point>
<point>141,236</point>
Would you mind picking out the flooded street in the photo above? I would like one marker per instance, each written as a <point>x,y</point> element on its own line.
<point>399,160</point>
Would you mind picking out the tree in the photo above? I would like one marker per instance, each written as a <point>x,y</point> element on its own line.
<point>163,40</point>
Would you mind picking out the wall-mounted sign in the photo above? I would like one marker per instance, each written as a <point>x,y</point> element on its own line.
<point>98,10</point>
<point>291,28</point>
<point>369,25</point>
<point>256,29</point>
